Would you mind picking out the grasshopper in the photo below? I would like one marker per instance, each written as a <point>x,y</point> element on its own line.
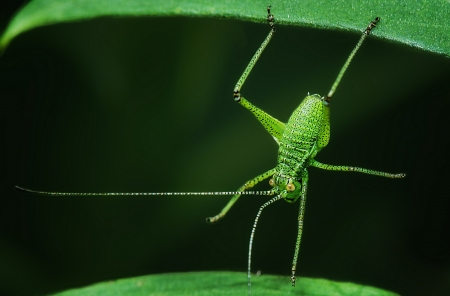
<point>299,140</point>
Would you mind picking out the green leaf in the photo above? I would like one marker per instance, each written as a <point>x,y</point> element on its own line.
<point>420,24</point>
<point>222,283</point>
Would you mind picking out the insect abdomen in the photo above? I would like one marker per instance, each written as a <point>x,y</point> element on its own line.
<point>300,135</point>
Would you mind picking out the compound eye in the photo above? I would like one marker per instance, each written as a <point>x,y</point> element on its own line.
<point>272,182</point>
<point>290,187</point>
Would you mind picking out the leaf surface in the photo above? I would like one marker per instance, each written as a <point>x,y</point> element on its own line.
<point>222,283</point>
<point>420,24</point>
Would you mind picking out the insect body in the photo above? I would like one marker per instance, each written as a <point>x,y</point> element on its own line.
<point>299,140</point>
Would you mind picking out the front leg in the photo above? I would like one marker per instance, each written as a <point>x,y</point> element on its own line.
<point>247,185</point>
<point>343,168</point>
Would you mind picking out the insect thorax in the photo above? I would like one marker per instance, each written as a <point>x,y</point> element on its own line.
<point>299,141</point>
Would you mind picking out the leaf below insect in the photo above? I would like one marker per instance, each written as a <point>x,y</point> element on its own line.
<point>222,283</point>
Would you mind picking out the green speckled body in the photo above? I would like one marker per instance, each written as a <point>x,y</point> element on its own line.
<point>300,139</point>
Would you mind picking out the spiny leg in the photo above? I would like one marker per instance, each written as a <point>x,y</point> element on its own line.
<point>271,124</point>
<point>343,168</point>
<point>274,126</point>
<point>366,33</point>
<point>301,216</point>
<point>247,185</point>
<point>249,275</point>
<point>237,88</point>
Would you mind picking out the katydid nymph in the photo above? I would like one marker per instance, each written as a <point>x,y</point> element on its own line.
<point>299,140</point>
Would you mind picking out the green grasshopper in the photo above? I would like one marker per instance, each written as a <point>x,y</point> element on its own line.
<point>299,140</point>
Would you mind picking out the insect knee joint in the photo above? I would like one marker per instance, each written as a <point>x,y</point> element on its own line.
<point>236,95</point>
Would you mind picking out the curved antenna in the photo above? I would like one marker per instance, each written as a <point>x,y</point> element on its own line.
<point>268,192</point>
<point>366,33</point>
<point>249,275</point>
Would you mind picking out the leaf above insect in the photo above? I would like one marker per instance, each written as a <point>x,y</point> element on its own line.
<point>416,24</point>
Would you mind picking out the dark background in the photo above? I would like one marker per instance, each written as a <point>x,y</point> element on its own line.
<point>145,105</point>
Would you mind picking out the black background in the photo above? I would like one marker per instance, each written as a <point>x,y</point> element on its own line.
<point>145,105</point>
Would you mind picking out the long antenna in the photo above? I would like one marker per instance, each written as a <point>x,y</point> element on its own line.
<point>366,33</point>
<point>268,192</point>
<point>250,245</point>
